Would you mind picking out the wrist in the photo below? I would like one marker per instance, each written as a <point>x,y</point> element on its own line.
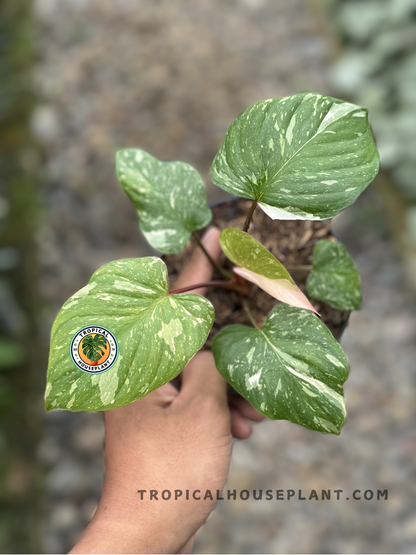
<point>121,525</point>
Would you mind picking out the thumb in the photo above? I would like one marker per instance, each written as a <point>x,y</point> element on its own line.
<point>200,376</point>
<point>199,269</point>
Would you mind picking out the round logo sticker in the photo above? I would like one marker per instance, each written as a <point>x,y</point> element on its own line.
<point>94,349</point>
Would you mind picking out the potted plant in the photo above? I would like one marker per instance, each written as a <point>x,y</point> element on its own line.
<point>305,158</point>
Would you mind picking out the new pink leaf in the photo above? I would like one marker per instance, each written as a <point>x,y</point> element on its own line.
<point>258,265</point>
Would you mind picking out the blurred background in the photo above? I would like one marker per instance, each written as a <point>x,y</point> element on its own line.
<point>83,78</point>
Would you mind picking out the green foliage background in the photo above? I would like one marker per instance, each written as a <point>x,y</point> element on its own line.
<point>20,354</point>
<point>377,69</point>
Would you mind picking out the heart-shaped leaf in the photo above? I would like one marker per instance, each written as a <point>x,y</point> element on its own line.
<point>334,278</point>
<point>259,266</point>
<point>150,337</point>
<point>169,197</point>
<point>305,156</point>
<point>292,369</point>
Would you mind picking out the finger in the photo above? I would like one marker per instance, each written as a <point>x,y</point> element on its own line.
<point>239,427</point>
<point>199,268</point>
<point>200,377</point>
<point>244,408</point>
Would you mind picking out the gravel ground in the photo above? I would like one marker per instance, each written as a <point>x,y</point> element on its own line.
<point>169,77</point>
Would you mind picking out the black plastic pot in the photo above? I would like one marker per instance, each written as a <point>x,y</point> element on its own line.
<point>231,391</point>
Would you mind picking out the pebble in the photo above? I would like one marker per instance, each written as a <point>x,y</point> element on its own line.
<point>67,478</point>
<point>44,124</point>
<point>65,516</point>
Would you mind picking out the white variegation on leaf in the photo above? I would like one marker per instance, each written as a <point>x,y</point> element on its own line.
<point>334,278</point>
<point>157,335</point>
<point>291,369</point>
<point>289,213</point>
<point>305,156</point>
<point>169,197</point>
<point>259,266</point>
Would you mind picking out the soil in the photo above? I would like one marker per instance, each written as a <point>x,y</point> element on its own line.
<point>290,241</point>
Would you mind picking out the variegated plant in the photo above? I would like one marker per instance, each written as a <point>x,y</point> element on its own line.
<point>125,334</point>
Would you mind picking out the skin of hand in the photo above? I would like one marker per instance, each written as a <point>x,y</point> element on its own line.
<point>168,440</point>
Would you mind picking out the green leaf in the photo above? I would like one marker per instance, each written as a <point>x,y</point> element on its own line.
<point>334,278</point>
<point>292,369</point>
<point>259,266</point>
<point>169,197</point>
<point>156,334</point>
<point>305,156</point>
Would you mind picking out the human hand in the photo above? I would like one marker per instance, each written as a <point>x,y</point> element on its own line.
<point>169,440</point>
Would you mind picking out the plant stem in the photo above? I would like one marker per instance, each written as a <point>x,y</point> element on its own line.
<point>302,268</point>
<point>223,273</point>
<point>233,285</point>
<point>249,216</point>
<point>247,309</point>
